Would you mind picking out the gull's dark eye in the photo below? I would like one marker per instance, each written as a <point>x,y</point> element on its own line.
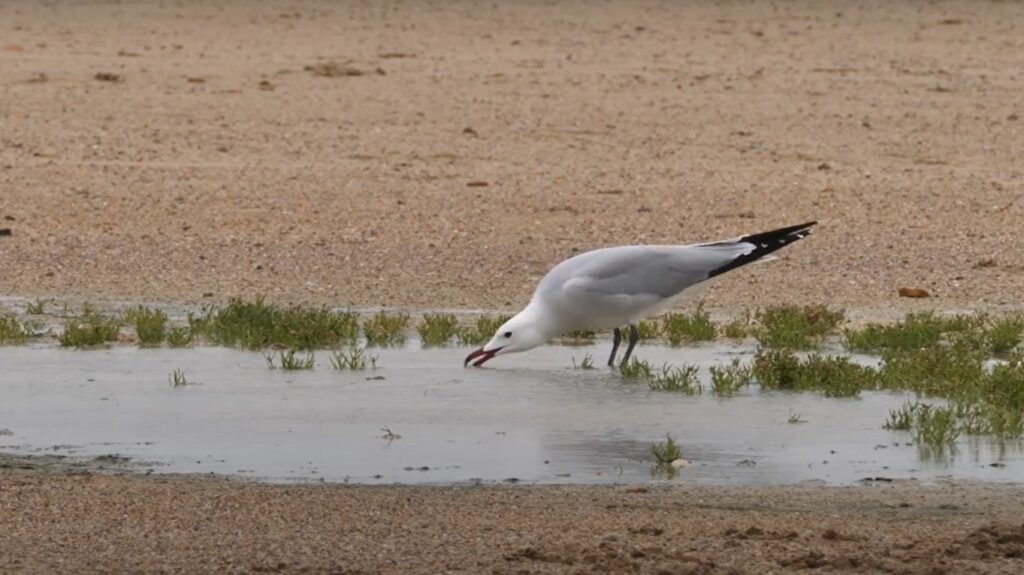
<point>508,334</point>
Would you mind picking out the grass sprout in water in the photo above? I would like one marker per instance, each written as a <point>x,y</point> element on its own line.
<point>681,379</point>
<point>259,325</point>
<point>916,331</point>
<point>586,363</point>
<point>354,359</point>
<point>13,331</point>
<point>795,327</point>
<point>635,368</point>
<point>482,330</point>
<point>648,329</point>
<point>37,307</point>
<point>150,324</point>
<point>738,327</point>
<point>687,327</point>
<point>794,418</point>
<point>730,378</point>
<point>89,329</point>
<point>179,337</point>
<point>437,328</point>
<point>781,369</point>
<point>665,452</point>
<point>290,361</point>
<point>177,379</point>
<point>384,329</point>
<point>935,426</point>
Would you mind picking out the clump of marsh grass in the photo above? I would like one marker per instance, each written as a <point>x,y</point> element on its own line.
<point>738,327</point>
<point>680,379</point>
<point>179,337</point>
<point>902,419</point>
<point>150,324</point>
<point>578,337</point>
<point>437,329</point>
<point>586,363</point>
<point>89,329</point>
<point>729,378</point>
<point>687,327</point>
<point>952,371</point>
<point>354,359</point>
<point>795,327</point>
<point>177,378</point>
<point>665,452</point>
<point>635,369</point>
<point>37,307</point>
<point>916,331</point>
<point>289,361</point>
<point>935,426</point>
<point>648,329</point>
<point>1004,334</point>
<point>482,329</point>
<point>384,329</point>
<point>781,369</point>
<point>259,325</point>
<point>13,331</point>
<point>794,418</point>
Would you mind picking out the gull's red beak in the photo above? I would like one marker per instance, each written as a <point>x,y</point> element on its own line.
<point>480,356</point>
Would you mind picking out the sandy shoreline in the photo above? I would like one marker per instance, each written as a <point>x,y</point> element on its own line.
<point>97,523</point>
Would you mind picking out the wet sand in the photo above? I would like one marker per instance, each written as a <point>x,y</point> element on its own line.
<point>431,155</point>
<point>102,524</point>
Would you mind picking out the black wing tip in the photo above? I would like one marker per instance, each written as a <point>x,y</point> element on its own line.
<point>765,243</point>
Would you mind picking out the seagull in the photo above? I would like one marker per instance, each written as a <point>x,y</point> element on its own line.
<point>618,286</point>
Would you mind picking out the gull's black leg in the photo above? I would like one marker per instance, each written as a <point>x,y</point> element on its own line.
<point>616,338</point>
<point>634,336</point>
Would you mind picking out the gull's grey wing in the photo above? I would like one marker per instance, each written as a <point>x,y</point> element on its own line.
<point>643,276</point>
<point>646,272</point>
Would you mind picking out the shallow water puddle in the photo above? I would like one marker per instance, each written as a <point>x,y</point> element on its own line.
<point>528,417</point>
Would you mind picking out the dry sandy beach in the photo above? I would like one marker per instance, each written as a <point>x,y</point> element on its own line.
<point>444,155</point>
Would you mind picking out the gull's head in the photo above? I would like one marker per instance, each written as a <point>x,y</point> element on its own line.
<point>522,332</point>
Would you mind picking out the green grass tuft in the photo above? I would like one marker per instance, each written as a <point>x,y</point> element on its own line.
<point>795,327</point>
<point>916,331</point>
<point>648,329</point>
<point>482,330</point>
<point>682,379</point>
<point>688,327</point>
<point>635,369</point>
<point>901,419</point>
<point>935,426</point>
<point>738,327</point>
<point>1004,334</point>
<point>794,418</point>
<point>728,379</point>
<point>150,324</point>
<point>89,329</point>
<point>179,337</point>
<point>384,329</point>
<point>259,325</point>
<point>37,307</point>
<point>666,452</point>
<point>13,331</point>
<point>354,359</point>
<point>587,363</point>
<point>290,361</point>
<point>781,369</point>
<point>177,379</point>
<point>437,329</point>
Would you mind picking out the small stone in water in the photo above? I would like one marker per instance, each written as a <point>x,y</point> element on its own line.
<point>680,463</point>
